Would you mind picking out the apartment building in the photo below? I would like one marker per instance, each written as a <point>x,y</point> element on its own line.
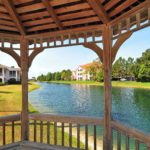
<point>7,73</point>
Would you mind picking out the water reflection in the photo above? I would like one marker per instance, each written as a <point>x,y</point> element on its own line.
<point>129,106</point>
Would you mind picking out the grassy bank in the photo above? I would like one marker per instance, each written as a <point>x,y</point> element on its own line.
<point>10,98</point>
<point>10,103</point>
<point>133,84</point>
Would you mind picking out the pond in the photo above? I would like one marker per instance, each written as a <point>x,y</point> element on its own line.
<point>130,106</point>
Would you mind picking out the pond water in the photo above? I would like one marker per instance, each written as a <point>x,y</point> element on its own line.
<point>130,106</point>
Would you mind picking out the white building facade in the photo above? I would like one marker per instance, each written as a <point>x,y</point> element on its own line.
<point>7,73</point>
<point>81,73</point>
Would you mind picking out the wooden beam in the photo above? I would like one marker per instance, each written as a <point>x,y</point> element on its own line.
<point>121,7</point>
<point>145,4</point>
<point>68,31</point>
<point>95,48</point>
<point>99,10</point>
<point>110,4</point>
<point>66,119</point>
<point>24,70</point>
<point>118,43</point>
<point>52,13</point>
<point>12,12</point>
<point>107,65</point>
<point>12,53</point>
<point>34,54</point>
<point>10,36</point>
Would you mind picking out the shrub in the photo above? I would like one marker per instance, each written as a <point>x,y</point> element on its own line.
<point>13,81</point>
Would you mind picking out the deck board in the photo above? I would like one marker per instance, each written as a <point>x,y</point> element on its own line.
<point>33,146</point>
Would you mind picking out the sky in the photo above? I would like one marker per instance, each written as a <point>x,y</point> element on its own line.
<point>57,59</point>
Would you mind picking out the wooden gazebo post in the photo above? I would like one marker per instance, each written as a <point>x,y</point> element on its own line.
<point>24,69</point>
<point>107,64</point>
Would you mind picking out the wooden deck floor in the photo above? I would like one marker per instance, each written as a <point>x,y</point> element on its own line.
<point>33,146</point>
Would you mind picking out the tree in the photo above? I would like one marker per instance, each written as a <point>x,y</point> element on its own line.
<point>66,75</point>
<point>57,76</point>
<point>143,67</point>
<point>49,77</point>
<point>119,68</point>
<point>94,69</point>
<point>100,76</point>
<point>123,68</point>
<point>41,78</point>
<point>130,67</point>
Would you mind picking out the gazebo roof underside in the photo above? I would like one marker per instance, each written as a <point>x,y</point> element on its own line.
<point>33,17</point>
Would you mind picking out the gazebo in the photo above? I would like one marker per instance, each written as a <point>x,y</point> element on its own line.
<point>27,27</point>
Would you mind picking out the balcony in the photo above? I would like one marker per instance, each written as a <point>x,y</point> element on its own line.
<point>1,74</point>
<point>12,76</point>
<point>67,133</point>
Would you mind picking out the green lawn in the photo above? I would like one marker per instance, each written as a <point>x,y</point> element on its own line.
<point>10,98</point>
<point>10,103</point>
<point>134,84</point>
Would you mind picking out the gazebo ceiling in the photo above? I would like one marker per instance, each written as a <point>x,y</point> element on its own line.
<point>32,17</point>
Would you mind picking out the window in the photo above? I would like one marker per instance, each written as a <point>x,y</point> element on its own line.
<point>1,71</point>
<point>12,73</point>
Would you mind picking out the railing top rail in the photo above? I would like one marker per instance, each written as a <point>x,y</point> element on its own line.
<point>66,119</point>
<point>144,138</point>
<point>10,118</point>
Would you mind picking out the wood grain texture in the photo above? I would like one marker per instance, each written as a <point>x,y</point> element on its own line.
<point>24,71</point>
<point>107,88</point>
<point>66,119</point>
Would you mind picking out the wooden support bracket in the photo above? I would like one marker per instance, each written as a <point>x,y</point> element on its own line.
<point>34,54</point>
<point>12,53</point>
<point>96,49</point>
<point>118,44</point>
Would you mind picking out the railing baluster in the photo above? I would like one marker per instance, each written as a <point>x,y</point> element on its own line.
<point>118,140</point>
<point>62,133</point>
<point>41,131</point>
<point>86,137</point>
<point>127,142</point>
<point>95,139</point>
<point>48,132</point>
<point>78,135</point>
<point>148,148</point>
<point>70,134</point>
<point>128,24</point>
<point>35,128</point>
<point>4,133</point>
<point>13,132</point>
<point>55,133</point>
<point>138,20</point>
<point>137,145</point>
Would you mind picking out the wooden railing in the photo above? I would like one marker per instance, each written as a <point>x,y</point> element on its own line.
<point>10,129</point>
<point>68,131</point>
<point>128,138</point>
<point>71,131</point>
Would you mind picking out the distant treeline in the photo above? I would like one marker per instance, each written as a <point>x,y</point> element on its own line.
<point>56,76</point>
<point>128,69</point>
<point>131,69</point>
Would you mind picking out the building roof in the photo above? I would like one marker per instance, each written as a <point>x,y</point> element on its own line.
<point>3,66</point>
<point>10,68</point>
<point>85,66</point>
<point>29,17</point>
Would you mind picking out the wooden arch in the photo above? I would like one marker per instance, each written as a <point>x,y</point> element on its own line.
<point>13,54</point>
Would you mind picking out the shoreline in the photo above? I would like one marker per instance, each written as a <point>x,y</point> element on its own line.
<point>15,96</point>
<point>122,84</point>
<point>33,109</point>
